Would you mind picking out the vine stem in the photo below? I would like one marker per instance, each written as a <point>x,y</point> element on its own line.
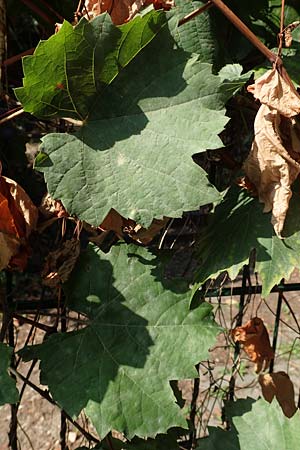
<point>236,21</point>
<point>195,13</point>
<point>31,5</point>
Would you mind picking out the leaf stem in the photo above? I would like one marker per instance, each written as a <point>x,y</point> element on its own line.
<point>195,13</point>
<point>246,31</point>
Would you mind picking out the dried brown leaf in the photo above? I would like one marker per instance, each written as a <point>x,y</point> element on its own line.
<point>121,226</point>
<point>9,246</point>
<point>287,33</point>
<point>18,217</point>
<point>256,343</point>
<point>60,263</point>
<point>272,165</point>
<point>146,235</point>
<point>280,386</point>
<point>122,11</point>
<point>115,222</point>
<point>50,207</point>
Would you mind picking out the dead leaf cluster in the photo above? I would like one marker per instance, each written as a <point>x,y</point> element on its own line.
<point>273,163</point>
<point>255,340</point>
<point>122,11</point>
<point>50,207</point>
<point>60,263</point>
<point>18,217</point>
<point>279,385</point>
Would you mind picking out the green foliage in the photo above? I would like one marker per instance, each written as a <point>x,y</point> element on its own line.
<point>129,154</point>
<point>240,219</point>
<point>8,390</point>
<point>198,35</point>
<point>145,97</point>
<point>255,425</point>
<point>140,334</point>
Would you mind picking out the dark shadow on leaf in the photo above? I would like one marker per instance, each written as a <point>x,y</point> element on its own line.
<point>292,222</point>
<point>158,271</point>
<point>118,111</point>
<point>234,230</point>
<point>85,362</point>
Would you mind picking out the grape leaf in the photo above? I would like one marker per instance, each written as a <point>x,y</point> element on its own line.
<point>146,108</point>
<point>239,217</point>
<point>260,425</point>
<point>197,35</point>
<point>140,333</point>
<point>8,390</point>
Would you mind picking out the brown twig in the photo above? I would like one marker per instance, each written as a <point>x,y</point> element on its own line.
<point>195,13</point>
<point>38,11</point>
<point>15,58</point>
<point>16,112</point>
<point>281,31</point>
<point>61,18</point>
<point>246,31</point>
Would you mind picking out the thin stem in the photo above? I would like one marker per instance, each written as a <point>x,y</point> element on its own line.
<point>63,418</point>
<point>246,31</point>
<point>291,311</point>
<point>13,440</point>
<point>239,320</point>
<point>195,13</point>
<point>15,58</point>
<point>12,116</point>
<point>276,327</point>
<point>61,18</point>
<point>196,389</point>
<point>282,16</point>
<point>38,11</point>
<point>280,34</point>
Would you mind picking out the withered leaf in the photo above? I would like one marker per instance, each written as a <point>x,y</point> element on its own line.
<point>122,11</point>
<point>115,222</point>
<point>121,226</point>
<point>18,217</point>
<point>279,385</point>
<point>255,340</point>
<point>287,33</point>
<point>60,263</point>
<point>52,208</point>
<point>273,163</point>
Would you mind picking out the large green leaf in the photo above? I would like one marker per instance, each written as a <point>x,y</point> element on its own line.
<point>8,390</point>
<point>239,226</point>
<point>142,124</point>
<point>197,35</point>
<point>69,71</point>
<point>256,425</point>
<point>140,335</point>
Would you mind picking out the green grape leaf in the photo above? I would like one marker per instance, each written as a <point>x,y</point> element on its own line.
<point>240,219</point>
<point>261,425</point>
<point>69,71</point>
<point>8,390</point>
<point>140,334</point>
<point>147,107</point>
<point>197,35</point>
